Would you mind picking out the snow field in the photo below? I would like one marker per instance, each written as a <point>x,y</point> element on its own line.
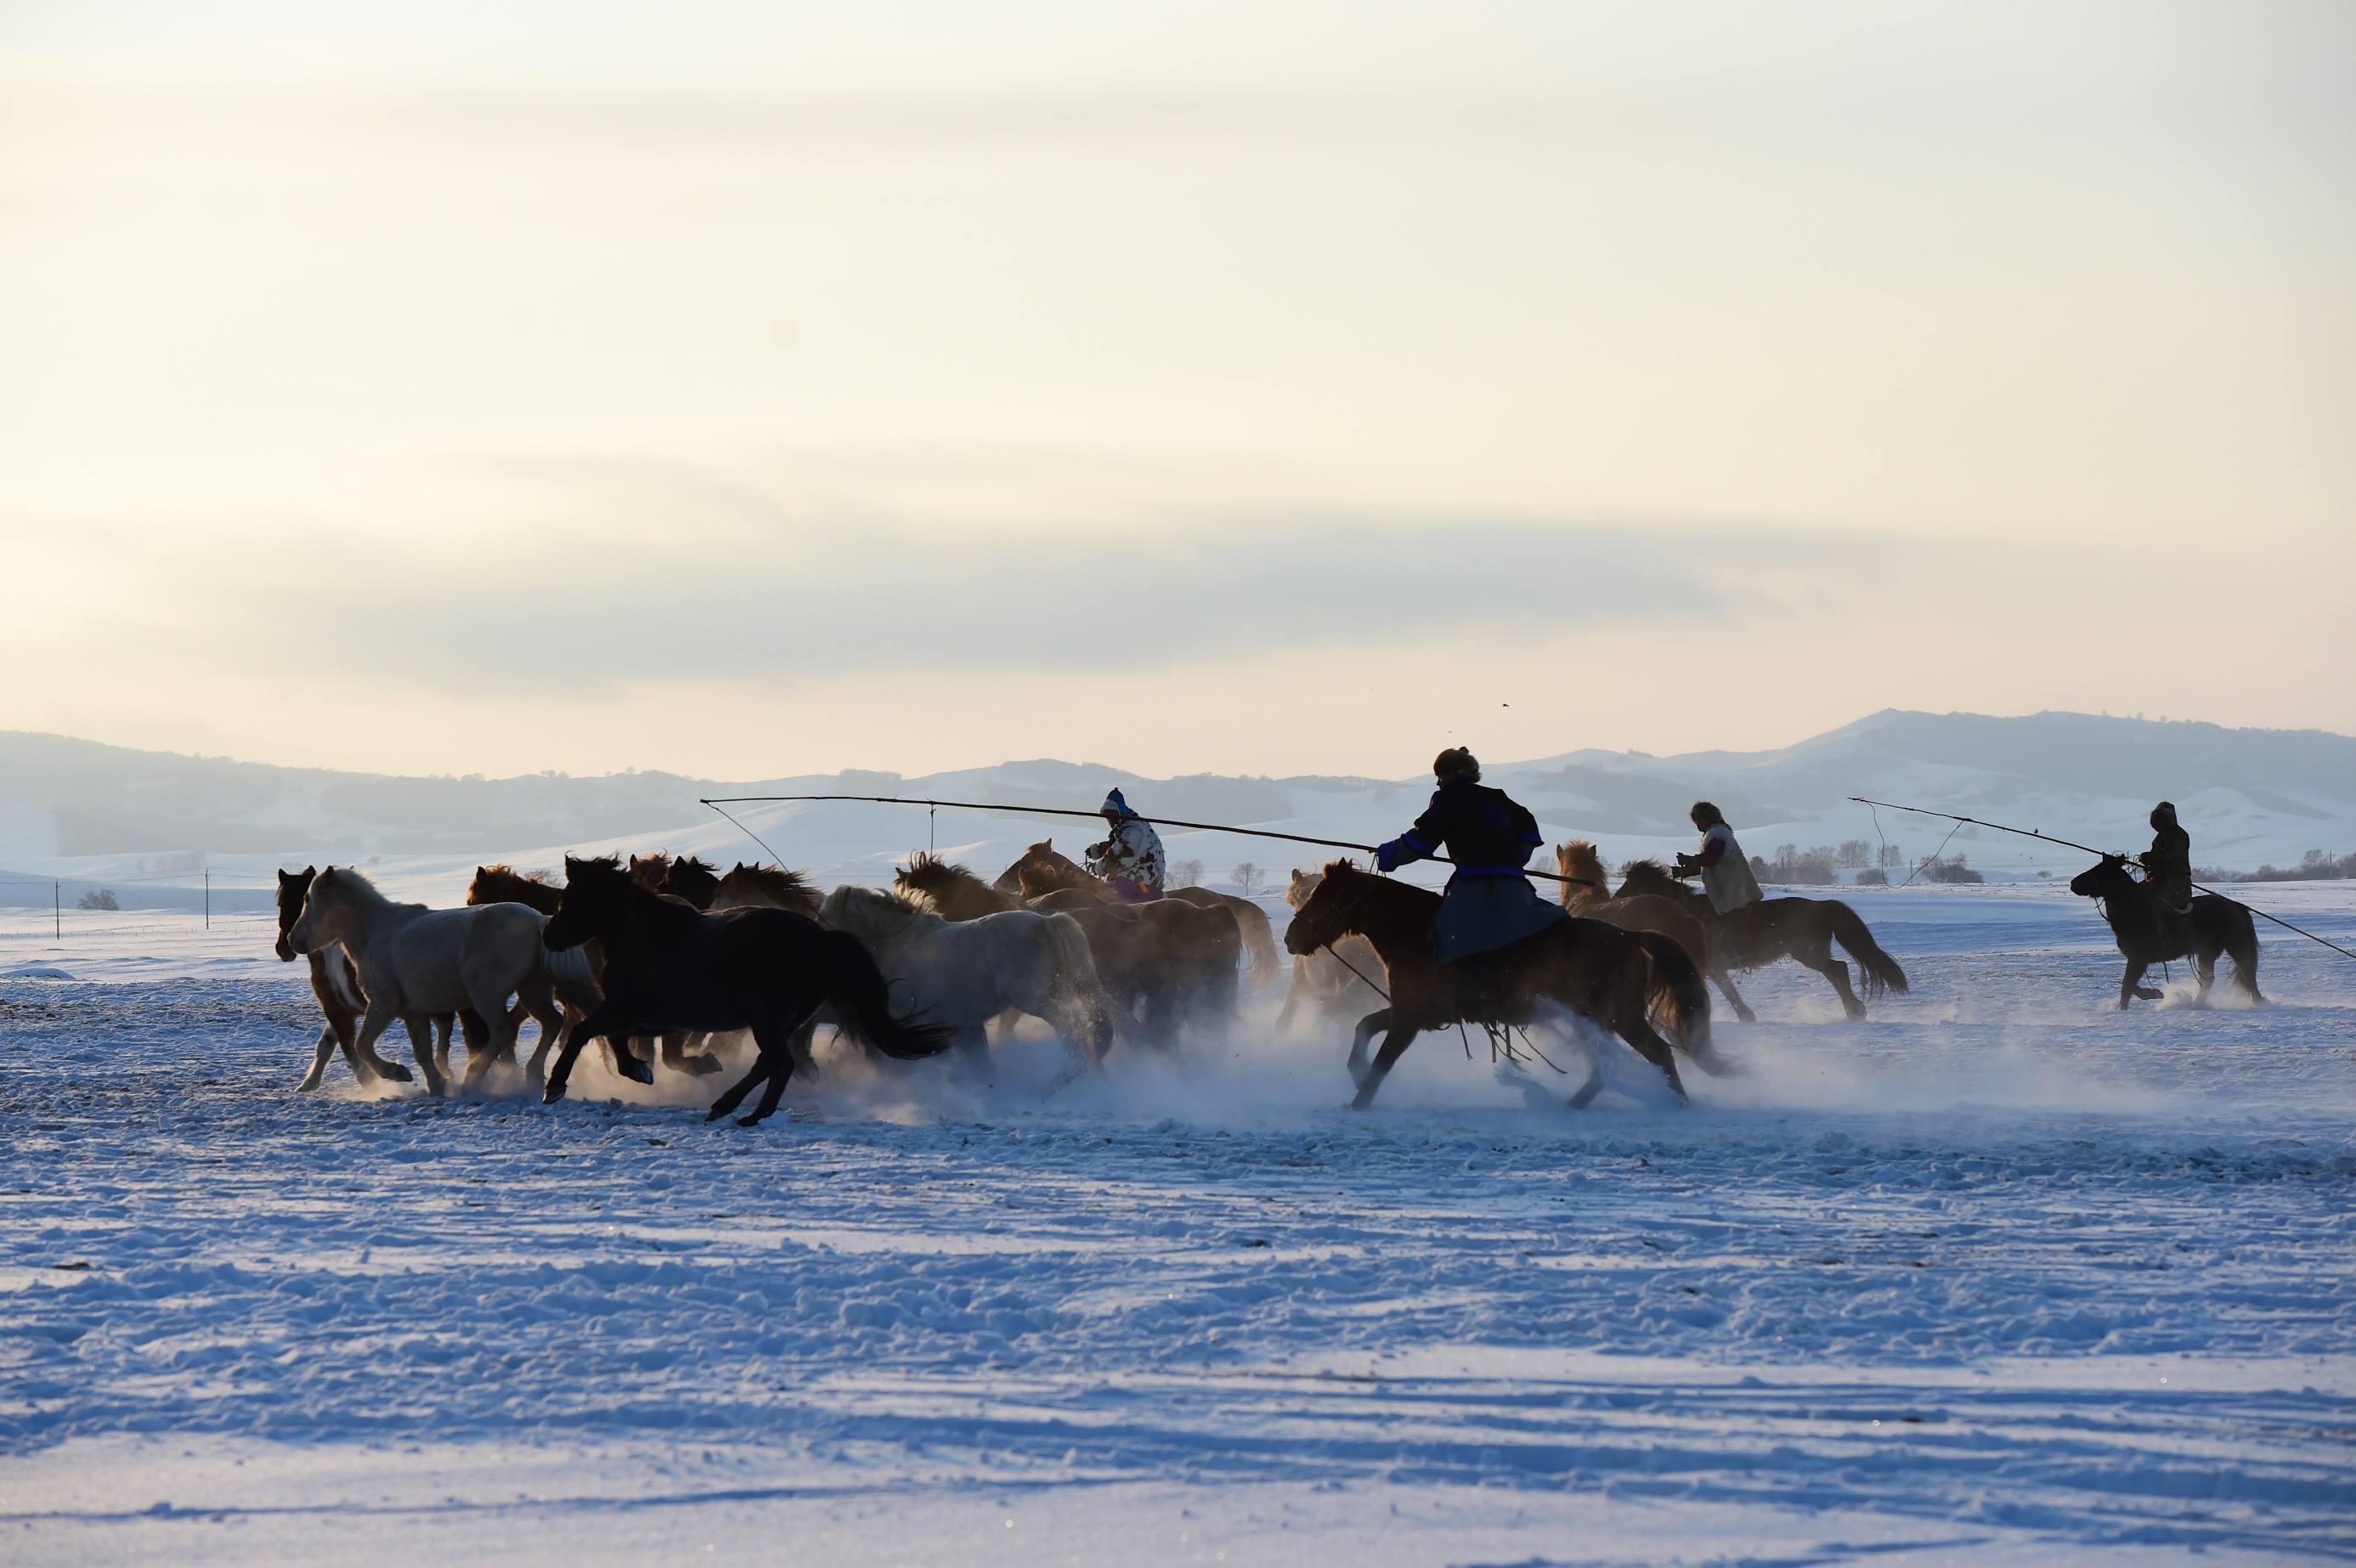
<point>1999,1273</point>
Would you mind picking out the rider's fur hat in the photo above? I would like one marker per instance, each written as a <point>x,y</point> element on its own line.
<point>2164,815</point>
<point>1456,762</point>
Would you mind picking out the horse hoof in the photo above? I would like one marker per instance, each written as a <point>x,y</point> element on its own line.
<point>397,1073</point>
<point>714,1114</point>
<point>552,1094</point>
<point>1746,1015</point>
<point>701,1065</point>
<point>752,1121</point>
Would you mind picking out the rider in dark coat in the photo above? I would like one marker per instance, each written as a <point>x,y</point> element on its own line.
<point>1489,903</point>
<point>2167,864</point>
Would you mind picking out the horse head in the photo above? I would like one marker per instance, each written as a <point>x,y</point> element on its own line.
<point>1576,862</point>
<point>1649,877</point>
<point>1317,920</point>
<point>293,887</point>
<point>2106,878</point>
<point>1302,888</point>
<point>689,878</point>
<point>595,893</point>
<point>307,936</point>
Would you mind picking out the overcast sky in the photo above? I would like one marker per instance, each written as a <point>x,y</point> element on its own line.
<point>755,389</point>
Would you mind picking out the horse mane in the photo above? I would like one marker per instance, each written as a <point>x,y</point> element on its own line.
<point>774,880</point>
<point>1009,880</point>
<point>347,877</point>
<point>502,883</point>
<point>875,904</point>
<point>924,866</point>
<point>649,870</point>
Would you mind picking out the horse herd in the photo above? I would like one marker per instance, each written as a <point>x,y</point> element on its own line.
<point>671,955</point>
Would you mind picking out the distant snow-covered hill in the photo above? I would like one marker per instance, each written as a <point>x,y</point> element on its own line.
<point>2247,796</point>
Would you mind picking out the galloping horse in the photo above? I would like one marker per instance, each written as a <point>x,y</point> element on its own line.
<point>1756,936</point>
<point>962,973</point>
<point>1615,977</point>
<point>415,962</point>
<point>2148,934</point>
<point>1043,870</point>
<point>337,984</point>
<point>670,967</point>
<point>1586,890</point>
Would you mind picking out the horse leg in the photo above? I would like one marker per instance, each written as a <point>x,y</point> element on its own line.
<point>1588,1090</point>
<point>326,1049</point>
<point>421,1046</point>
<point>1724,980</point>
<point>1655,1049</point>
<point>2131,983</point>
<point>496,1039</point>
<point>1818,955</point>
<point>536,1070</point>
<point>2204,975</point>
<point>677,1057</point>
<point>771,1037</point>
<point>593,1027</point>
<point>1378,1019</point>
<point>728,1102</point>
<point>1395,1044</point>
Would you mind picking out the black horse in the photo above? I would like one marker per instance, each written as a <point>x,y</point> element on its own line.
<point>670,967</point>
<point>2149,932</point>
<point>1620,979</point>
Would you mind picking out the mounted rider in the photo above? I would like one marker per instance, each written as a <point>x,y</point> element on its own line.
<point>1723,867</point>
<point>2167,864</point>
<point>1130,858</point>
<point>1488,903</point>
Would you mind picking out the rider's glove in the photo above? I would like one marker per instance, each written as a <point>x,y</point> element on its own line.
<point>1387,856</point>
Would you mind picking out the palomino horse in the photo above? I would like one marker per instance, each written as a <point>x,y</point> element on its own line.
<point>670,967</point>
<point>415,962</point>
<point>2149,933</point>
<point>1587,891</point>
<point>1617,979</point>
<point>336,985</point>
<point>1757,934</point>
<point>962,973</point>
<point>1042,870</point>
<point>1336,982</point>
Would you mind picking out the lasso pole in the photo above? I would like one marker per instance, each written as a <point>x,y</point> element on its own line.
<point>716,803</point>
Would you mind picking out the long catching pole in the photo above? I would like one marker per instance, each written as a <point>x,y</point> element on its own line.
<point>718,801</point>
<point>2101,854</point>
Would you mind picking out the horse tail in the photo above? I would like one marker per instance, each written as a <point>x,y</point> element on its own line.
<point>1881,971</point>
<point>1075,963</point>
<point>1678,994</point>
<point>862,1003</point>
<point>1259,941</point>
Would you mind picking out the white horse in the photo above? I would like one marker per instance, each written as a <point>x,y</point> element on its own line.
<point>962,973</point>
<point>415,962</point>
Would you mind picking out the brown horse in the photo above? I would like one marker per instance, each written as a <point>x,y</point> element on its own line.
<point>1587,891</point>
<point>1757,934</point>
<point>950,890</point>
<point>1337,982</point>
<point>1616,978</point>
<point>682,875</point>
<point>1043,870</point>
<point>337,984</point>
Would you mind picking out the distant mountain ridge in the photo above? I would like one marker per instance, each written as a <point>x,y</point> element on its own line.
<point>2246,794</point>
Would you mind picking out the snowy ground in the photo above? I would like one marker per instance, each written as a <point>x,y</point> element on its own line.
<point>1998,1275</point>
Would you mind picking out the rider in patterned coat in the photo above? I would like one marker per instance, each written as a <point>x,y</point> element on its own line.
<point>1130,855</point>
<point>1489,903</point>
